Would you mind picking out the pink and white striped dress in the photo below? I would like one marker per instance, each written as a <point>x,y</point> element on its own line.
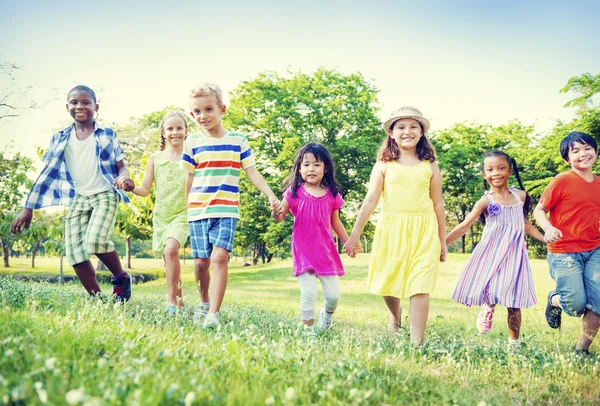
<point>498,270</point>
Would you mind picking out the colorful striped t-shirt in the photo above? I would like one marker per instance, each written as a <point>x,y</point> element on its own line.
<point>215,163</point>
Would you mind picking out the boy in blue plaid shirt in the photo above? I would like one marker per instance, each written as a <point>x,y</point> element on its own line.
<point>84,168</point>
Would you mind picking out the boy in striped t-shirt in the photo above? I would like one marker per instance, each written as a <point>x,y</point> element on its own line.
<point>213,159</point>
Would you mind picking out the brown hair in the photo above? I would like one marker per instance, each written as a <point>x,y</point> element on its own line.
<point>390,151</point>
<point>172,113</point>
<point>207,89</point>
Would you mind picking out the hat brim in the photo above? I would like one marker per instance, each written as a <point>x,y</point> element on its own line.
<point>424,122</point>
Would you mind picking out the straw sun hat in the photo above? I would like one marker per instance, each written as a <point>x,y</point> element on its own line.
<point>407,112</point>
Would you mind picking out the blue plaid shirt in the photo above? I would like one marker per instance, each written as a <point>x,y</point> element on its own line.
<point>55,186</point>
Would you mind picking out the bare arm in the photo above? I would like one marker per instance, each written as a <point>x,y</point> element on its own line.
<point>144,189</point>
<point>435,192</point>
<point>551,233</point>
<point>368,206</point>
<point>338,227</point>
<point>285,208</point>
<point>466,224</point>
<point>533,231</point>
<point>259,182</point>
<point>188,186</point>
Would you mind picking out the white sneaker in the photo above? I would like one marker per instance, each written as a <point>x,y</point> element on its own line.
<point>322,322</point>
<point>200,313</point>
<point>309,331</point>
<point>211,320</point>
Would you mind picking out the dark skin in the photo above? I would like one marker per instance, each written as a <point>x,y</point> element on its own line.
<point>82,107</point>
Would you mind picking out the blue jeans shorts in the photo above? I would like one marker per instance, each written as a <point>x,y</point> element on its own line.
<point>577,276</point>
<point>205,233</point>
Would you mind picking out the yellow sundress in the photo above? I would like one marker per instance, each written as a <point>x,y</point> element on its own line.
<point>406,247</point>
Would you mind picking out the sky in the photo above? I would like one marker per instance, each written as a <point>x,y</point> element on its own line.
<point>476,61</point>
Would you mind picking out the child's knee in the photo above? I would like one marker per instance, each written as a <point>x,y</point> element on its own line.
<point>308,298</point>
<point>574,306</point>
<point>201,264</point>
<point>331,301</point>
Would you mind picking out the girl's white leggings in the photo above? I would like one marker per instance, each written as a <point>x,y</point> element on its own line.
<point>308,293</point>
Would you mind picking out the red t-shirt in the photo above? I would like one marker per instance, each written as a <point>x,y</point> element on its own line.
<point>574,207</point>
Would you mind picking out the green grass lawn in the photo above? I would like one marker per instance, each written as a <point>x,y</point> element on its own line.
<point>58,347</point>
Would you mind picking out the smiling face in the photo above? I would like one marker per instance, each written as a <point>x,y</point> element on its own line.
<point>582,157</point>
<point>174,131</point>
<point>311,170</point>
<point>496,171</point>
<point>406,132</point>
<point>81,106</point>
<point>207,112</point>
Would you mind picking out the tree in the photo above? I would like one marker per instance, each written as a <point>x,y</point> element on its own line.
<point>46,231</point>
<point>336,110</point>
<point>587,85</point>
<point>12,100</point>
<point>14,184</point>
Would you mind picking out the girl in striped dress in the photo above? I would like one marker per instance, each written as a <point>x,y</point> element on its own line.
<point>498,270</point>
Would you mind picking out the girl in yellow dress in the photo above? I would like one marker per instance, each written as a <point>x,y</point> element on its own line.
<point>410,236</point>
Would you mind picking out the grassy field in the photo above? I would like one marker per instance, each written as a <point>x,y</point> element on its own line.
<point>59,347</point>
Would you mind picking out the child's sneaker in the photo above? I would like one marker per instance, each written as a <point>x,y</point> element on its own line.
<point>514,345</point>
<point>211,320</point>
<point>200,313</point>
<point>485,319</point>
<point>309,331</point>
<point>122,287</point>
<point>324,321</point>
<point>553,313</point>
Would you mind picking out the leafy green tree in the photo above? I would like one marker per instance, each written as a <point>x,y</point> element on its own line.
<point>45,232</point>
<point>14,184</point>
<point>336,110</point>
<point>587,85</point>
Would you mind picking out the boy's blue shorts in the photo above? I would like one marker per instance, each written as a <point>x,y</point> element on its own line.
<point>205,233</point>
<point>577,276</point>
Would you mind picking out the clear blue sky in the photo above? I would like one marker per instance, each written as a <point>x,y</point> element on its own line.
<point>457,61</point>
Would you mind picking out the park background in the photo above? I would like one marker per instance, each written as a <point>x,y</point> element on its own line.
<point>517,76</point>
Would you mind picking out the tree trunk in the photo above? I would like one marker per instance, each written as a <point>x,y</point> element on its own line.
<point>33,252</point>
<point>128,251</point>
<point>463,239</point>
<point>366,247</point>
<point>255,255</point>
<point>6,253</point>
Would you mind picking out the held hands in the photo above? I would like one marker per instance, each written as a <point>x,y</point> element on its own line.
<point>552,234</point>
<point>443,253</point>
<point>275,205</point>
<point>353,246</point>
<point>21,222</point>
<point>125,183</point>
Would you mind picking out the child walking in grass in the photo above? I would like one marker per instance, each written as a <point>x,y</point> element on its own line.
<point>572,201</point>
<point>313,197</point>
<point>213,159</point>
<point>169,218</point>
<point>410,237</point>
<point>498,271</point>
<point>84,166</point>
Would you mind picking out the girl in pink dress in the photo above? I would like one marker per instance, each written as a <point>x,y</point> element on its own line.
<point>313,197</point>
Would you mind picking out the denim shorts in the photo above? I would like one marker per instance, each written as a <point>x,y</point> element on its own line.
<point>577,276</point>
<point>205,233</point>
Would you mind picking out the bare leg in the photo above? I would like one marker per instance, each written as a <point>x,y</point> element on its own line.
<point>112,262</point>
<point>393,304</point>
<point>514,323</point>
<point>219,259</point>
<point>419,312</point>
<point>202,274</point>
<point>173,272</point>
<point>87,275</point>
<point>590,325</point>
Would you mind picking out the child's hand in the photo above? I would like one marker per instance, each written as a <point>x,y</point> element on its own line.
<point>125,183</point>
<point>275,205</point>
<point>443,253</point>
<point>352,247</point>
<point>552,234</point>
<point>21,222</point>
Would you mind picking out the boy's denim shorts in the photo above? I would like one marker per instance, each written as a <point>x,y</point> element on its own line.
<point>205,233</point>
<point>577,276</point>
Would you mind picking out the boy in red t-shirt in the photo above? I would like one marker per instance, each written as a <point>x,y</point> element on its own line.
<point>573,235</point>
